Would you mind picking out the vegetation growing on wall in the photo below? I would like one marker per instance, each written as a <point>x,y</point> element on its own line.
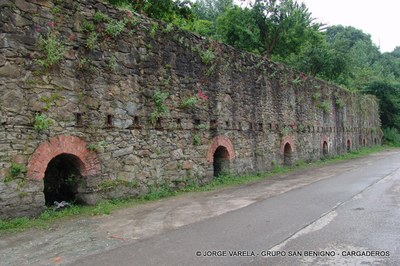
<point>160,109</point>
<point>41,122</point>
<point>285,31</point>
<point>53,50</point>
<point>14,171</point>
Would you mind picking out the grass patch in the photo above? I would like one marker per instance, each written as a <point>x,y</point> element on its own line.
<point>50,217</point>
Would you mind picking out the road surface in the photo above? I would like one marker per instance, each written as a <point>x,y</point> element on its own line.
<point>342,214</point>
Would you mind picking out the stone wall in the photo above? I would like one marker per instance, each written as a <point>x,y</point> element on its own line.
<point>130,104</point>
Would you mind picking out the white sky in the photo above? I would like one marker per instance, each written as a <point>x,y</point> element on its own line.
<point>380,19</point>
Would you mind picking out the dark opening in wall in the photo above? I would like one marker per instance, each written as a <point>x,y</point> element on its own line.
<point>78,120</point>
<point>178,122</point>
<point>136,123</point>
<point>270,126</point>
<point>158,124</point>
<point>287,155</point>
<point>363,142</point>
<point>109,120</point>
<point>221,160</point>
<point>375,141</point>
<point>325,150</point>
<point>196,122</point>
<point>227,124</point>
<point>213,124</point>
<point>62,178</point>
<point>348,145</point>
<point>260,126</point>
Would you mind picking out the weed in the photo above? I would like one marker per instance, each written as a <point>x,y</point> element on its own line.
<point>53,50</point>
<point>160,108</point>
<point>132,21</point>
<point>196,140</point>
<point>201,126</point>
<point>158,191</point>
<point>339,102</point>
<point>88,26</point>
<point>112,63</point>
<point>168,28</point>
<point>14,171</point>
<point>153,29</point>
<point>210,70</point>
<point>115,28</point>
<point>85,64</point>
<point>92,41</point>
<point>100,17</point>
<point>55,10</point>
<point>301,128</point>
<point>97,146</point>
<point>273,74</point>
<point>316,96</point>
<point>297,81</point>
<point>23,194</point>
<point>76,6</point>
<point>48,101</point>
<point>167,81</point>
<point>41,122</point>
<point>284,131</point>
<point>324,106</point>
<point>189,102</point>
<point>207,56</point>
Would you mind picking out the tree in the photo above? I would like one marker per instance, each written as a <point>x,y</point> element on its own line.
<point>211,9</point>
<point>284,25</point>
<point>321,60</point>
<point>361,57</point>
<point>389,102</point>
<point>167,10</point>
<point>237,27</point>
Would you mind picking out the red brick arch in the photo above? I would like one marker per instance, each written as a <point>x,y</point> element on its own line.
<point>348,147</point>
<point>287,139</point>
<point>349,140</point>
<point>59,145</point>
<point>324,139</point>
<point>217,142</point>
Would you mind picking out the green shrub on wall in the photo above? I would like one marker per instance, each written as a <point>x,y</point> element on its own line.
<point>53,50</point>
<point>324,106</point>
<point>41,122</point>
<point>160,109</point>
<point>14,171</point>
<point>189,102</point>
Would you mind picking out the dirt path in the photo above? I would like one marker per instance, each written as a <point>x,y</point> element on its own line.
<point>75,238</point>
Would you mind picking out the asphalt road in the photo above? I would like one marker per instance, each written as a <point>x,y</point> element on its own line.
<point>352,217</point>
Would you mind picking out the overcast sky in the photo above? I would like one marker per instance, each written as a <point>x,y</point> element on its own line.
<point>380,19</point>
